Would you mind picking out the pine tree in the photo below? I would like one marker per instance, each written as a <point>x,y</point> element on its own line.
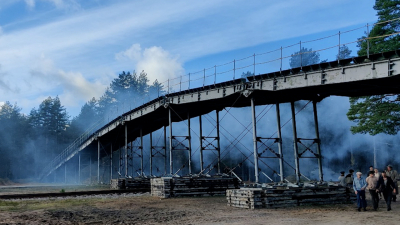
<point>304,57</point>
<point>12,150</point>
<point>88,117</point>
<point>379,113</point>
<point>380,36</point>
<point>344,52</point>
<point>156,90</point>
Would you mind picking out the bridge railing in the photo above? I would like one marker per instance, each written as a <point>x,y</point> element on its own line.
<point>281,58</point>
<point>329,48</point>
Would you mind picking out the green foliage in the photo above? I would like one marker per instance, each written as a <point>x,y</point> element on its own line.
<point>378,114</point>
<point>379,41</point>
<point>304,57</point>
<point>12,123</point>
<point>126,92</point>
<point>375,114</point>
<point>62,191</point>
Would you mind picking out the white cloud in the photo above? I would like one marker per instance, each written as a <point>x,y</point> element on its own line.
<point>59,4</point>
<point>30,4</point>
<point>132,53</point>
<point>155,61</point>
<point>4,84</point>
<point>73,87</point>
<point>65,4</point>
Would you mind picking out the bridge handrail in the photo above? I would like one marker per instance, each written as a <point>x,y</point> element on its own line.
<point>169,85</point>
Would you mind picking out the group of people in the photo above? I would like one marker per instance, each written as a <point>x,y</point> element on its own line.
<point>377,183</point>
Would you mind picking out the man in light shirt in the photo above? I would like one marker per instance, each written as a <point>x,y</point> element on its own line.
<point>359,185</point>
<point>372,184</point>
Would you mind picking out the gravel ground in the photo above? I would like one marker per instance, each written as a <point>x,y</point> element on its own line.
<point>144,209</point>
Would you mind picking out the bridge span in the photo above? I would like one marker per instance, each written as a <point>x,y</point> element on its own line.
<point>358,76</point>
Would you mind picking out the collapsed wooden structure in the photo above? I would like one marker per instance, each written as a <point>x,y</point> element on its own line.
<point>165,187</point>
<point>140,184</point>
<point>281,196</point>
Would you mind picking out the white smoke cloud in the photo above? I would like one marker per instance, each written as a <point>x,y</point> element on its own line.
<point>155,61</point>
<point>73,86</point>
<point>132,53</point>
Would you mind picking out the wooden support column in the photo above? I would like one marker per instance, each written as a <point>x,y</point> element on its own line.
<point>98,161</point>
<point>278,121</point>
<point>170,142</point>
<point>253,116</point>
<point>79,167</point>
<point>111,162</point>
<point>201,145</point>
<point>151,154</point>
<point>321,175</point>
<point>141,153</point>
<point>190,144</point>
<point>165,150</point>
<point>126,151</point>
<point>218,142</point>
<point>295,147</point>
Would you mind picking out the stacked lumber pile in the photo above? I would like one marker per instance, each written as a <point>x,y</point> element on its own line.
<point>141,184</point>
<point>117,184</point>
<point>280,196</point>
<point>166,187</point>
<point>161,187</point>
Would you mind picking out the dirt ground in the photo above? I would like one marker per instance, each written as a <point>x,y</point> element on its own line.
<point>144,209</point>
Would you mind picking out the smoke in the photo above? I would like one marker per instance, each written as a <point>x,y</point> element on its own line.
<point>4,86</point>
<point>155,61</point>
<point>73,85</point>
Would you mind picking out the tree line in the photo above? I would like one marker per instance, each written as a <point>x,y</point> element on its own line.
<point>28,142</point>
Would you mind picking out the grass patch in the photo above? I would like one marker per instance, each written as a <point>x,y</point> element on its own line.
<point>50,204</point>
<point>8,206</point>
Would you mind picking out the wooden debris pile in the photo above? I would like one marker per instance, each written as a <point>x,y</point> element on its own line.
<point>276,197</point>
<point>166,187</point>
<point>141,184</point>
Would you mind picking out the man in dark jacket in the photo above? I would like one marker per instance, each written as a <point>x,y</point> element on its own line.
<point>386,186</point>
<point>393,174</point>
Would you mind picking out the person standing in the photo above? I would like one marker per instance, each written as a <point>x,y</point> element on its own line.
<point>342,180</point>
<point>371,169</point>
<point>359,185</point>
<point>349,178</point>
<point>386,186</point>
<point>378,175</point>
<point>393,175</point>
<point>372,184</point>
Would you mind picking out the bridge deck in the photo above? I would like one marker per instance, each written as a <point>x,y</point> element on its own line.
<point>359,76</point>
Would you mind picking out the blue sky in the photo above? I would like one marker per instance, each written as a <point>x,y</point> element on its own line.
<point>74,48</point>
